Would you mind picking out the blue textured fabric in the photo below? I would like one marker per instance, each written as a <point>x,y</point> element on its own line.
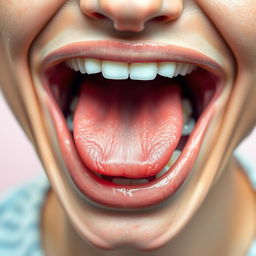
<point>20,216</point>
<point>20,219</point>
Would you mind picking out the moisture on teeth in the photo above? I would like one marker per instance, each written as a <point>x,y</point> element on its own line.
<point>174,157</point>
<point>136,71</point>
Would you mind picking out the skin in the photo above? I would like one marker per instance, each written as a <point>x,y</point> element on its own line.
<point>221,29</point>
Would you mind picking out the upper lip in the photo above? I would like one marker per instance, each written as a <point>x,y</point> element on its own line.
<point>132,52</point>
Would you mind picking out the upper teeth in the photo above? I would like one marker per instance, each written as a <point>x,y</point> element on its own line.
<point>135,71</point>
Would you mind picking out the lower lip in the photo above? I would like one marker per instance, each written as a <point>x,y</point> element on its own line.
<point>108,194</point>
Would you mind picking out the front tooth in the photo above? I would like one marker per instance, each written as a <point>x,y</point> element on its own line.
<point>115,70</point>
<point>166,69</point>
<point>188,127</point>
<point>81,65</point>
<point>143,71</point>
<point>93,66</point>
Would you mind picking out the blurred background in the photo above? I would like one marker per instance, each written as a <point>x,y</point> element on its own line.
<point>19,163</point>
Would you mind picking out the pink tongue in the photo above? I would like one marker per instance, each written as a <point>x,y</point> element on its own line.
<point>127,128</point>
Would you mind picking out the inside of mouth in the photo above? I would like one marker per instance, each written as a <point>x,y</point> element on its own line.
<point>94,93</point>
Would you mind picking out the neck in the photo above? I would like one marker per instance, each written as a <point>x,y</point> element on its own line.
<point>226,221</point>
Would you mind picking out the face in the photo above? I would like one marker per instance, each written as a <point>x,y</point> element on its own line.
<point>103,138</point>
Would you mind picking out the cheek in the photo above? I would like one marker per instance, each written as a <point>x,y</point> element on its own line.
<point>235,19</point>
<point>21,21</point>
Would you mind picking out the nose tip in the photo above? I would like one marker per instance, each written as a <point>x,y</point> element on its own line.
<point>133,14</point>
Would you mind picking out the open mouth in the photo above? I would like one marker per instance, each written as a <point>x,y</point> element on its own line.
<point>130,132</point>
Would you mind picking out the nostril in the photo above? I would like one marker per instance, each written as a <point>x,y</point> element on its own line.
<point>98,15</point>
<point>160,18</point>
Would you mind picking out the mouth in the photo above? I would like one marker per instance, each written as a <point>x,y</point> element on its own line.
<point>130,126</point>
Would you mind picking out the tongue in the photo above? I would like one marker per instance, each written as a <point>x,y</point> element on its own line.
<point>127,128</point>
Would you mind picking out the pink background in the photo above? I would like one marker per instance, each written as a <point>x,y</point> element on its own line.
<point>18,161</point>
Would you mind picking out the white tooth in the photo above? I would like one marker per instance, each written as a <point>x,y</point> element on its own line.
<point>163,171</point>
<point>115,70</point>
<point>188,127</point>
<point>93,66</point>
<point>81,65</point>
<point>174,157</point>
<point>179,67</point>
<point>143,71</point>
<point>121,181</point>
<point>186,109</point>
<point>75,64</point>
<point>184,69</point>
<point>138,181</point>
<point>166,69</point>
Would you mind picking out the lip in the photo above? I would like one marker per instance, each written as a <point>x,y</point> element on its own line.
<point>106,193</point>
<point>132,52</point>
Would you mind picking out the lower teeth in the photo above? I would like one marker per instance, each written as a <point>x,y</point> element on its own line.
<point>171,162</point>
<point>127,181</point>
<point>188,126</point>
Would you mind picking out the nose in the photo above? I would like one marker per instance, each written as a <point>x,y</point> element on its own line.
<point>131,15</point>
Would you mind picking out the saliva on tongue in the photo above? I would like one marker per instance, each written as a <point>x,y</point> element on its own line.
<point>127,128</point>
